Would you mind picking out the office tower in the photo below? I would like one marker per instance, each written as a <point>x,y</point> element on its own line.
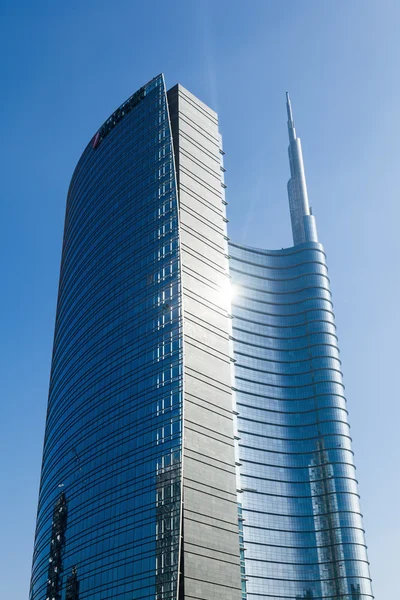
<point>302,528</point>
<point>139,497</point>
<point>138,490</point>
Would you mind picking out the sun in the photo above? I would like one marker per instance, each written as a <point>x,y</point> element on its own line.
<point>228,292</point>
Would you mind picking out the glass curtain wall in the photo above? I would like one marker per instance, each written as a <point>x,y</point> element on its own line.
<point>302,527</point>
<point>109,505</point>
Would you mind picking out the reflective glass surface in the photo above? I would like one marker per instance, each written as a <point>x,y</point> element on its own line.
<point>302,530</point>
<point>109,507</point>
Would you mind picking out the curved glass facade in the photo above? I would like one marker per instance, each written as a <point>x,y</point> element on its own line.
<point>109,507</point>
<point>138,496</point>
<point>302,528</point>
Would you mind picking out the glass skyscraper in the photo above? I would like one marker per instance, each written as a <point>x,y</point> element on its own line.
<point>302,526</point>
<point>189,456</point>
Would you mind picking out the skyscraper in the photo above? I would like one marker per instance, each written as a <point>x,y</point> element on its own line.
<point>302,526</point>
<point>146,428</point>
<point>138,490</point>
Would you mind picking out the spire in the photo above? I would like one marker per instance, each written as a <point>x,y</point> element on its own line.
<point>291,127</point>
<point>303,222</point>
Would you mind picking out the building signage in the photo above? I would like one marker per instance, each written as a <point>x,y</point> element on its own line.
<point>117,116</point>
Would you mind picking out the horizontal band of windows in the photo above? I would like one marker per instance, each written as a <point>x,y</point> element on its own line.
<point>286,356</point>
<point>311,314</point>
<point>284,337</point>
<point>323,302</point>
<point>241,357</point>
<point>310,581</point>
<point>345,560</point>
<point>301,489</point>
<point>282,310</point>
<point>294,471</point>
<point>300,539</point>
<point>347,530</point>
<point>277,404</point>
<point>283,344</point>
<point>302,506</point>
<point>291,467</point>
<point>251,373</point>
<point>285,298</point>
<point>263,438</point>
<point>306,454</point>
<point>241,252</point>
<point>290,326</point>
<point>304,482</point>
<point>324,371</point>
<point>278,273</point>
<point>348,545</point>
<point>329,384</point>
<point>343,513</point>
<point>243,421</point>
<point>275,283</point>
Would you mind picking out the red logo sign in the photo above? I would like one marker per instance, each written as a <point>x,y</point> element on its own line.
<point>96,140</point>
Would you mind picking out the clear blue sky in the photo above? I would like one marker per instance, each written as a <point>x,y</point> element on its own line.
<point>65,66</point>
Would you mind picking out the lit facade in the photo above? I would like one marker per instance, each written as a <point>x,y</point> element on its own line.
<point>160,404</point>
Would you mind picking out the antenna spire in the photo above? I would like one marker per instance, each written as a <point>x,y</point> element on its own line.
<point>303,222</point>
<point>289,107</point>
<point>291,126</point>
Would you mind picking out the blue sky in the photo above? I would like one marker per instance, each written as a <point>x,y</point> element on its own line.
<point>66,66</point>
